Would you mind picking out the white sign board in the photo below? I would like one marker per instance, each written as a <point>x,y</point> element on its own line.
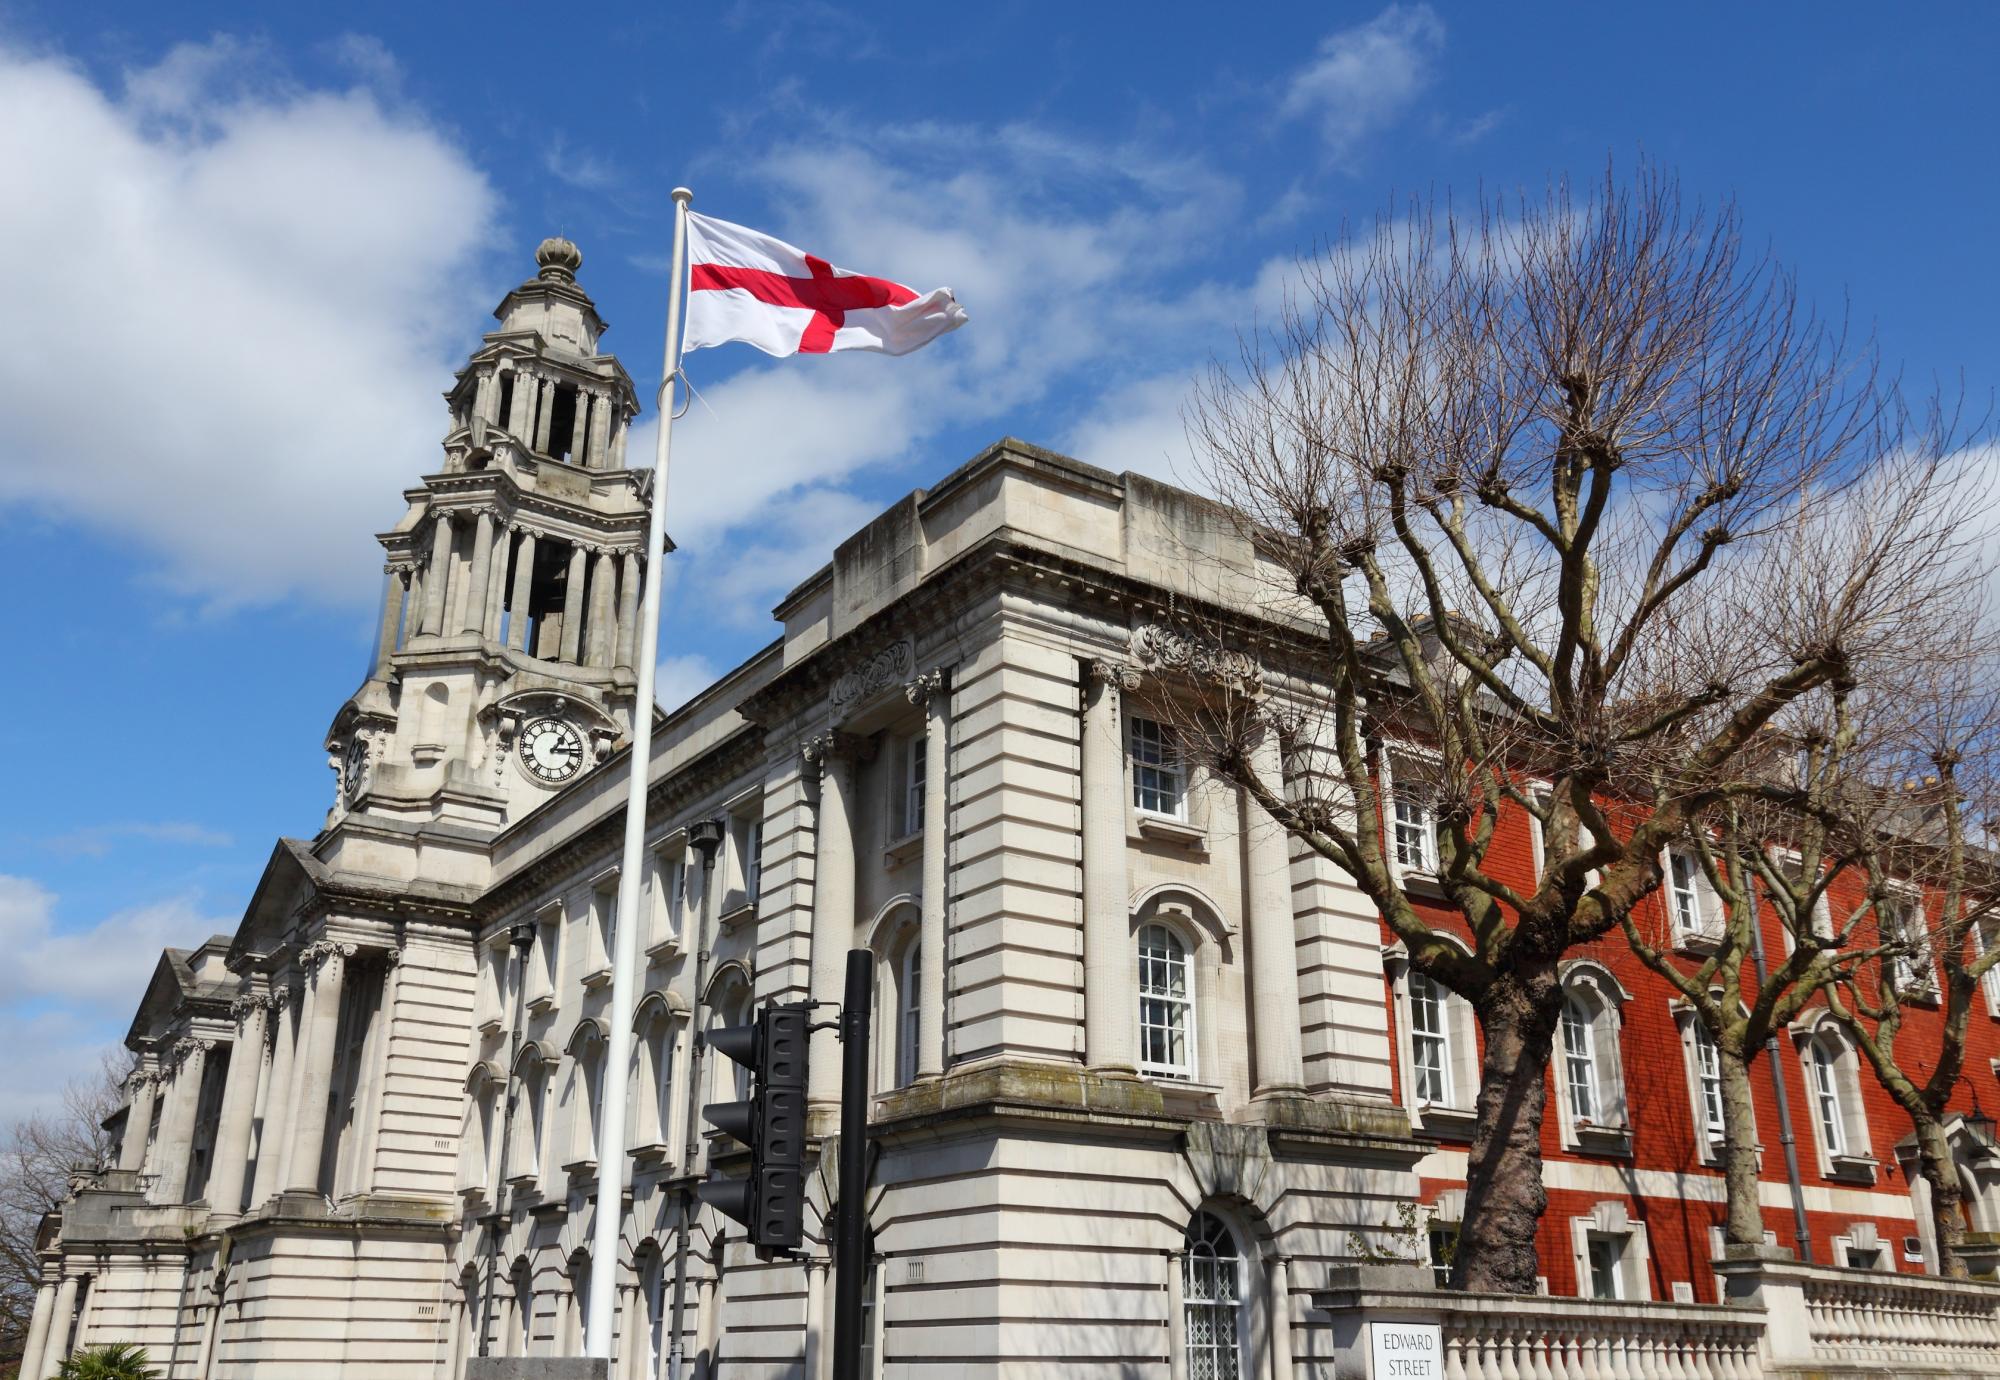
<point>1406,1351</point>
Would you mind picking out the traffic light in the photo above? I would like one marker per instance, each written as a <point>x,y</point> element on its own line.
<point>771,1200</point>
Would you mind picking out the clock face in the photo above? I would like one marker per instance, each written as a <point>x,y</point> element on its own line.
<point>357,761</point>
<point>551,750</point>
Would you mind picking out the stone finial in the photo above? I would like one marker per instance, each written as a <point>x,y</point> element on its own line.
<point>559,259</point>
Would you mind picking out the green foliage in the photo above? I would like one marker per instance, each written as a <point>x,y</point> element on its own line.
<point>112,1361</point>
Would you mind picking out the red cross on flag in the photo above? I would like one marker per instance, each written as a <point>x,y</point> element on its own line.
<point>749,287</point>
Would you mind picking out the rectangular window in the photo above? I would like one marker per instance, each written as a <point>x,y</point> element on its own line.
<point>1159,784</point>
<point>1443,1246</point>
<point>910,805</point>
<point>1414,831</point>
<point>1684,894</point>
<point>1708,1070</point>
<point>1904,926</point>
<point>1430,1041</point>
<point>1826,1098</point>
<point>1607,1266</point>
<point>753,856</point>
<point>1166,1005</point>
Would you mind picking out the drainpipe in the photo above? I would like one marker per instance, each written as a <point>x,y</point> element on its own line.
<point>1801,1233</point>
<point>707,837</point>
<point>521,938</point>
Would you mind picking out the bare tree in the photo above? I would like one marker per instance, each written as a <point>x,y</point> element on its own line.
<point>1933,897</point>
<point>41,1155</point>
<point>1561,495</point>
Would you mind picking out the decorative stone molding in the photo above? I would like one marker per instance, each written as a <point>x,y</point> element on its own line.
<point>321,952</point>
<point>833,746</point>
<point>1162,649</point>
<point>245,1004</point>
<point>893,663</point>
<point>931,682</point>
<point>1112,673</point>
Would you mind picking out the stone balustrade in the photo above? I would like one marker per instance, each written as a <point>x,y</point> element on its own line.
<point>1510,1337</point>
<point>1867,1321</point>
<point>1781,1319</point>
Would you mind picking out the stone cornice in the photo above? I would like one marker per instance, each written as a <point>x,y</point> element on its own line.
<point>738,752</point>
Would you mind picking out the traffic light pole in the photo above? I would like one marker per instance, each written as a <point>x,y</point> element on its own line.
<point>850,1241</point>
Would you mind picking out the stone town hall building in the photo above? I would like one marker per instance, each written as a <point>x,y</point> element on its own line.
<point>1142,1072</point>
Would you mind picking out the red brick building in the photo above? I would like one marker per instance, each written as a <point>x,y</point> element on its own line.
<point>1631,1133</point>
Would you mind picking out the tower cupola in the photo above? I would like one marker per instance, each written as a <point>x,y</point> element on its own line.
<point>510,614</point>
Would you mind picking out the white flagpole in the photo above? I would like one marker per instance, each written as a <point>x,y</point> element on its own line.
<point>612,1163</point>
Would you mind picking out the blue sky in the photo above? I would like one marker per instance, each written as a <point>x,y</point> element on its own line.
<point>247,244</point>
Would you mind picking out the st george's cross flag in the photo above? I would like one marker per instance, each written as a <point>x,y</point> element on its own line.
<point>752,288</point>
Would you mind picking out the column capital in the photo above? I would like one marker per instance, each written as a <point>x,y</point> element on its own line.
<point>834,746</point>
<point>324,952</point>
<point>920,689</point>
<point>241,1008</point>
<point>1099,671</point>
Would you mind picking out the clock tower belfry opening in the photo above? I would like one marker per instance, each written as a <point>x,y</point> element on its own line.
<point>509,618</point>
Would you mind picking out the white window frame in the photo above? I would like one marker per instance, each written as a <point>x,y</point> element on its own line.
<point>1697,894</point>
<point>909,1011</point>
<point>909,819</point>
<point>1185,1004</point>
<point>1711,1118</point>
<point>1435,997</point>
<point>1422,830</point>
<point>1831,1069</point>
<point>1829,1115</point>
<point>545,972</point>
<point>1168,787</point>
<point>1610,1223</point>
<point>669,892</point>
<point>1577,1030</point>
<point>603,913</point>
<point>1222,1359</point>
<point>1915,972</point>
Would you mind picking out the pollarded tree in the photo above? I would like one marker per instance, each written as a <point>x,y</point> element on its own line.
<point>1934,897</point>
<point>1557,494</point>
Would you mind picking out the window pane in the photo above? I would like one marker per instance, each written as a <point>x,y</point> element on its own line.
<point>1579,1061</point>
<point>1211,1307</point>
<point>1157,781</point>
<point>1166,1010</point>
<point>1430,1040</point>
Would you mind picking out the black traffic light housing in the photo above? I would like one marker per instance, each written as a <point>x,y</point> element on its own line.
<point>770,1202</point>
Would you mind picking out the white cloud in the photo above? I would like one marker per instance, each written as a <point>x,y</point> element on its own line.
<point>678,679</point>
<point>106,963</point>
<point>1362,79</point>
<point>97,840</point>
<point>233,307</point>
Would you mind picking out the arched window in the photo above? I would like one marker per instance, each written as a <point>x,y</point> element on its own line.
<point>908,1015</point>
<point>585,1094</point>
<point>482,1123</point>
<point>1590,1077</point>
<point>1212,1300</point>
<point>1833,1090</point>
<point>579,1304</point>
<point>1166,1005</point>
<point>1823,1064</point>
<point>524,1154</point>
<point>653,1052</point>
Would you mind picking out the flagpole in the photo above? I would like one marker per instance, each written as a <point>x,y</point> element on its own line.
<point>612,1163</point>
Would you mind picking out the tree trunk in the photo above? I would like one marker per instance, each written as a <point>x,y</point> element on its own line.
<point>1504,1196</point>
<point>1940,1171</point>
<point>1744,1225</point>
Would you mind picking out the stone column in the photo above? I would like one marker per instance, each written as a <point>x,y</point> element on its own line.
<point>38,1327</point>
<point>704,1329</point>
<point>618,447</point>
<point>56,1349</point>
<point>521,410</point>
<point>932,692</point>
<point>815,1340</point>
<point>572,627</point>
<point>1274,942</point>
<point>314,1072</point>
<point>1177,1362</point>
<point>600,430</point>
<point>629,577</point>
<point>275,1134</point>
<point>138,1121</point>
<point>177,1123</point>
<point>524,583</point>
<point>833,893</point>
<point>482,397</point>
<point>437,577</point>
<point>1280,1350</point>
<point>496,579</point>
<point>478,579</point>
<point>1110,1020</point>
<point>603,581</point>
<point>579,430</point>
<point>239,1101</point>
<point>545,396</point>
<point>392,619</point>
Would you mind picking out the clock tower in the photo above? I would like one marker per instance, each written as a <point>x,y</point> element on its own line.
<point>503,668</point>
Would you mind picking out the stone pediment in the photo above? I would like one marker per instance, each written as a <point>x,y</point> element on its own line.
<point>174,988</point>
<point>292,877</point>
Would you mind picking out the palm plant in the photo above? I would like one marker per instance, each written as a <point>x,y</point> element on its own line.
<point>112,1361</point>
